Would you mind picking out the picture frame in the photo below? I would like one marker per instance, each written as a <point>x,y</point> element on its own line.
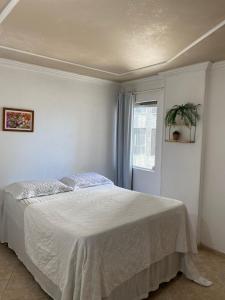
<point>17,119</point>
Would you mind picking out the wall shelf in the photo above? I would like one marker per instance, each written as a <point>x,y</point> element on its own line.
<point>180,123</point>
<point>187,134</point>
<point>180,141</point>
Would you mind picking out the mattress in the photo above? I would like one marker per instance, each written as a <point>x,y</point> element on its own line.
<point>134,288</point>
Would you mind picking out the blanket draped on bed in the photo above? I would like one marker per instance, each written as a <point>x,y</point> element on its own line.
<point>88,242</point>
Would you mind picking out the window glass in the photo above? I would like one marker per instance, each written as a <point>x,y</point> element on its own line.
<point>144,135</point>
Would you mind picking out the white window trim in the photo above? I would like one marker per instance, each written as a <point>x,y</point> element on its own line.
<point>154,176</point>
<point>143,169</point>
<point>154,102</point>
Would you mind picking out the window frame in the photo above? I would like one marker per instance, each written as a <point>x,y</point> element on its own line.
<point>149,103</point>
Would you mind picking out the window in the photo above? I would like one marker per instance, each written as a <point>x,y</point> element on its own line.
<point>144,135</point>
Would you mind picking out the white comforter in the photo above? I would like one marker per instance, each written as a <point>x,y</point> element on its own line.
<point>90,241</point>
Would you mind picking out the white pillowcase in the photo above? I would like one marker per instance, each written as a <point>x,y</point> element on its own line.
<point>30,189</point>
<point>84,180</point>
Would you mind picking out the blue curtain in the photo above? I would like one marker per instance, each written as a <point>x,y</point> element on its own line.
<point>124,171</point>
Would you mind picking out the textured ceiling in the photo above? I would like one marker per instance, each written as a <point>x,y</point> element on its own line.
<point>117,39</point>
<point>3,4</point>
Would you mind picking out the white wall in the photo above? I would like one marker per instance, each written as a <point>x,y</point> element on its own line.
<point>181,163</point>
<point>213,204</point>
<point>74,123</point>
<point>180,172</point>
<point>194,172</point>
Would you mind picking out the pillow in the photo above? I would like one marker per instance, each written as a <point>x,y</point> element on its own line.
<point>84,180</point>
<point>30,189</point>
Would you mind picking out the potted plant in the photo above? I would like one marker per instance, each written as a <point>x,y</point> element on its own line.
<point>176,135</point>
<point>187,114</point>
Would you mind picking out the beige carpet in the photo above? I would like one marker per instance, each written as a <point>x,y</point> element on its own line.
<point>16,283</point>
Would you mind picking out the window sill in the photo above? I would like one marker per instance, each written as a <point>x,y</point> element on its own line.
<point>143,169</point>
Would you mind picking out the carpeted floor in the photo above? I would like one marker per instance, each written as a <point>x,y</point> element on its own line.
<point>16,283</point>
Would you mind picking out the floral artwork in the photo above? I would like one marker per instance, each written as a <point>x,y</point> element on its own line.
<point>18,120</point>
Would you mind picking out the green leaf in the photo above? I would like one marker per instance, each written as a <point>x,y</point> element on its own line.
<point>188,113</point>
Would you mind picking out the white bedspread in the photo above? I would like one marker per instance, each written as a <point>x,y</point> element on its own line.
<point>90,241</point>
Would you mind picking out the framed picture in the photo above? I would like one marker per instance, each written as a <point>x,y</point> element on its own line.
<point>20,120</point>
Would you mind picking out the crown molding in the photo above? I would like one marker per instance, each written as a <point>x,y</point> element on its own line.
<point>57,60</point>
<point>156,77</point>
<point>197,41</point>
<point>73,76</point>
<point>194,43</point>
<point>52,72</point>
<point>191,68</point>
<point>12,49</point>
<point>218,65</point>
<point>7,9</point>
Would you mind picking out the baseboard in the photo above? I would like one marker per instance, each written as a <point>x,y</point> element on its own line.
<point>202,246</point>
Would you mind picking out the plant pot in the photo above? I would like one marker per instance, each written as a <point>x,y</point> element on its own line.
<point>176,135</point>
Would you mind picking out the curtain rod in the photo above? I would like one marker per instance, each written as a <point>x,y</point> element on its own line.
<point>146,91</point>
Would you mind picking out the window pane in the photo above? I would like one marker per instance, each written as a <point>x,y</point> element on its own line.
<point>144,136</point>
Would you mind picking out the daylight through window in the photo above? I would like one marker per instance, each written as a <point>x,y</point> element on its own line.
<point>144,135</point>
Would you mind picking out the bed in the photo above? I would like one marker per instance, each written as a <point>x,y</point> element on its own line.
<point>100,243</point>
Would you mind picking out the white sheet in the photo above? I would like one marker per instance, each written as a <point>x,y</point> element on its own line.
<point>89,242</point>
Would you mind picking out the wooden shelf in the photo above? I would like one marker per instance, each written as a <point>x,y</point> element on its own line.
<point>182,142</point>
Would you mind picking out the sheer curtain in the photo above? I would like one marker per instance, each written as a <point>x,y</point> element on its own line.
<point>125,108</point>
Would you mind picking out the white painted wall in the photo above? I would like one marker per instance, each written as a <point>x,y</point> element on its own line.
<point>74,124</point>
<point>213,204</point>
<point>180,172</point>
<point>181,163</point>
